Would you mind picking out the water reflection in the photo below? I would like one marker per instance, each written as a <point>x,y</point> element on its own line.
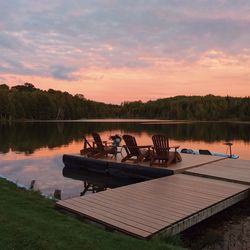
<point>96,182</point>
<point>28,137</point>
<point>45,171</point>
<point>227,230</point>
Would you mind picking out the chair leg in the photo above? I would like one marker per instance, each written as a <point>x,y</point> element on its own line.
<point>178,157</point>
<point>126,158</point>
<point>151,161</point>
<point>171,159</point>
<point>139,159</point>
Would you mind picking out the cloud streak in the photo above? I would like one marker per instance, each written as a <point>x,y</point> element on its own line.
<point>76,40</point>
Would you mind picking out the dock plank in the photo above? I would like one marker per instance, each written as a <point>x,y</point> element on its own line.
<point>237,171</point>
<point>147,210</point>
<point>121,217</point>
<point>123,227</point>
<point>120,209</point>
<point>165,205</point>
<point>174,205</point>
<point>189,161</point>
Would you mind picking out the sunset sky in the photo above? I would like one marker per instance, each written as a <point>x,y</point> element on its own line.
<point>124,50</point>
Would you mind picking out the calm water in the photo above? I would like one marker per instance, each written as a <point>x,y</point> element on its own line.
<point>33,151</point>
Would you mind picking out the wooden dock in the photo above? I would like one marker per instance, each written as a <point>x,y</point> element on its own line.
<point>237,171</point>
<point>190,161</point>
<point>165,205</point>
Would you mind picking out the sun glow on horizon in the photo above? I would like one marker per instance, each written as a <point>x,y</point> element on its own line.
<point>214,73</point>
<point>114,52</point>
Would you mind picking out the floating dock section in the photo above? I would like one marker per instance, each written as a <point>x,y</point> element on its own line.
<point>237,171</point>
<point>115,167</point>
<point>166,205</point>
<point>171,204</point>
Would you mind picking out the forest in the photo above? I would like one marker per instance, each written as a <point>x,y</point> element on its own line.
<point>26,102</point>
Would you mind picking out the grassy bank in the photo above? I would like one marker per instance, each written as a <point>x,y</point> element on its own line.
<point>29,221</point>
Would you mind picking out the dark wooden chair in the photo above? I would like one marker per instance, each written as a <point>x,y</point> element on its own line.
<point>101,147</point>
<point>161,151</point>
<point>88,149</point>
<point>133,150</point>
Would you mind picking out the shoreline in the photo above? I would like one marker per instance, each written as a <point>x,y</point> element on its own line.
<point>126,120</point>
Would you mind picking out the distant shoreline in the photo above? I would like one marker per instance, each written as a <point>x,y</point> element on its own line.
<point>28,103</point>
<point>122,120</point>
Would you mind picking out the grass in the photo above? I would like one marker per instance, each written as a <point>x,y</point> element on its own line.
<point>29,221</point>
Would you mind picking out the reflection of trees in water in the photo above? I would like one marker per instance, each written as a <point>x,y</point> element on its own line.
<point>27,137</point>
<point>209,132</point>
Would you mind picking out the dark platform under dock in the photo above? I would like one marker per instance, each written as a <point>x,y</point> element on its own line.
<point>139,170</point>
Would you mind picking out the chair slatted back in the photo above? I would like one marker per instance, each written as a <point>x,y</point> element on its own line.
<point>161,145</point>
<point>98,141</point>
<point>131,145</point>
<point>86,143</point>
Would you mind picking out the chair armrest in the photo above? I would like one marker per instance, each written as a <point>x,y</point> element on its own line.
<point>161,148</point>
<point>145,146</point>
<point>106,143</point>
<point>175,147</point>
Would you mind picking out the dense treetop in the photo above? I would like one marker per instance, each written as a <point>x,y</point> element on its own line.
<point>27,102</point>
<point>24,102</point>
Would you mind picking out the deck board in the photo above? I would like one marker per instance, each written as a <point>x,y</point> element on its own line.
<point>188,161</point>
<point>237,171</point>
<point>169,204</point>
<point>106,220</point>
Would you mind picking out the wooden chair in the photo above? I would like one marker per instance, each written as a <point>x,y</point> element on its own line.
<point>88,149</point>
<point>161,151</point>
<point>133,150</point>
<point>100,148</point>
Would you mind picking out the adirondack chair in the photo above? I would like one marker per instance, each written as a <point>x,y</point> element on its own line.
<point>133,150</point>
<point>100,148</point>
<point>88,149</point>
<point>162,153</point>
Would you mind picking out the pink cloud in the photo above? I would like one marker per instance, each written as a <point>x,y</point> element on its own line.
<point>114,50</point>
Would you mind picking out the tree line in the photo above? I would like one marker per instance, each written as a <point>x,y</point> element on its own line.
<point>207,108</point>
<point>26,102</point>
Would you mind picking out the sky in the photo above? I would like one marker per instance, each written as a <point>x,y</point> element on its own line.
<point>116,50</point>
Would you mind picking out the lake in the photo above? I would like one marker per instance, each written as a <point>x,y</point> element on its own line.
<point>33,151</point>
